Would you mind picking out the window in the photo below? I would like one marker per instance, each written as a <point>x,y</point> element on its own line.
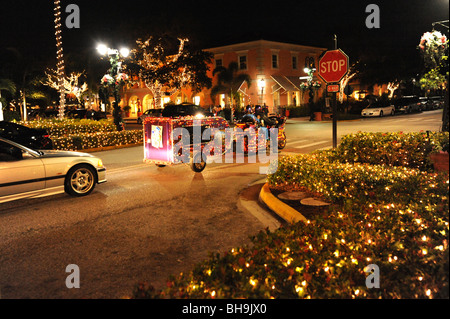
<point>274,61</point>
<point>219,63</point>
<point>243,62</point>
<point>294,63</point>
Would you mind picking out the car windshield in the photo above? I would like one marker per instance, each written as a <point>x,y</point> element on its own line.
<point>376,105</point>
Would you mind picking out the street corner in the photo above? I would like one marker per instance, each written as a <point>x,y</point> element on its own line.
<point>249,202</point>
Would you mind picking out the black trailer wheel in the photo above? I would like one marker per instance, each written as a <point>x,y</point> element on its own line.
<point>197,163</point>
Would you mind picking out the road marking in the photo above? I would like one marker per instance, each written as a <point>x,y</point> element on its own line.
<point>296,142</point>
<point>312,144</point>
<point>125,168</point>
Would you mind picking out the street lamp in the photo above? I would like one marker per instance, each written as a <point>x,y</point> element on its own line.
<point>114,79</point>
<point>262,85</point>
<point>309,69</point>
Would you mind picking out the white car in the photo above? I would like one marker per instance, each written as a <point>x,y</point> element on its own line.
<point>378,109</point>
<point>27,173</point>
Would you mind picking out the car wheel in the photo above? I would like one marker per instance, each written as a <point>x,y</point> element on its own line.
<point>381,113</point>
<point>392,113</point>
<point>80,181</point>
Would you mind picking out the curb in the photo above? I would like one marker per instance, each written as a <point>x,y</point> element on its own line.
<point>278,207</point>
<point>255,208</point>
<point>107,148</point>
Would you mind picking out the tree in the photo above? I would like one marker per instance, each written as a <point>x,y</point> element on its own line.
<point>10,87</point>
<point>229,81</point>
<point>26,75</point>
<point>391,87</point>
<point>434,49</point>
<point>70,83</point>
<point>166,64</point>
<point>59,57</point>
<point>352,72</point>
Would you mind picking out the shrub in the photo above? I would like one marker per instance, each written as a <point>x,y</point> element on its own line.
<point>393,149</point>
<point>59,128</point>
<point>97,140</point>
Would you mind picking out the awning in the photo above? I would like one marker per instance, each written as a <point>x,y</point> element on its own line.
<point>282,82</point>
<point>295,80</point>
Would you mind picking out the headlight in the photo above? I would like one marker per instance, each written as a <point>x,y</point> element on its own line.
<point>199,116</point>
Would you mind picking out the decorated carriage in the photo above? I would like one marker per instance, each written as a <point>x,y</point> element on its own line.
<point>181,140</point>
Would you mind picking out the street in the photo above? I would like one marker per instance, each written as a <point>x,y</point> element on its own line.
<point>146,222</point>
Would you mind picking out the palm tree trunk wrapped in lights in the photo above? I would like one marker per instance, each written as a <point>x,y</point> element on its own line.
<point>59,57</point>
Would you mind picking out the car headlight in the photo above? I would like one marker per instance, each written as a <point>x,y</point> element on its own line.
<point>199,116</point>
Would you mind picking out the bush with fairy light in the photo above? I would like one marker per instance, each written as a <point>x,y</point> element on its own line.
<point>393,216</point>
<point>76,134</point>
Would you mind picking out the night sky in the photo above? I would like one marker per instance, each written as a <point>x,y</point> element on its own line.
<point>28,25</point>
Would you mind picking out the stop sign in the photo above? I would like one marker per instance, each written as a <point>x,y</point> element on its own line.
<point>333,66</point>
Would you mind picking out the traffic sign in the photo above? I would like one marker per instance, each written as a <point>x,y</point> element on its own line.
<point>333,88</point>
<point>333,65</point>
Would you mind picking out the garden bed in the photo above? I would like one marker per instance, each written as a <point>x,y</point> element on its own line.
<point>308,211</point>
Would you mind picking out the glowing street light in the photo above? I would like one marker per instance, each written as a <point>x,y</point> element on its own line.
<point>114,79</point>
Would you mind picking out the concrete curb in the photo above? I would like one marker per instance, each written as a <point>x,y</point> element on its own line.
<point>108,148</point>
<point>256,209</point>
<point>278,207</point>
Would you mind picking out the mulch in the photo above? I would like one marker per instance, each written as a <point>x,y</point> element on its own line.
<point>308,211</point>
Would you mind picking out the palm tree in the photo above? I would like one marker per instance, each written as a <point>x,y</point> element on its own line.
<point>229,80</point>
<point>9,86</point>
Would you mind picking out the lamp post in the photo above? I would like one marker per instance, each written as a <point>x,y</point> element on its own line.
<point>262,85</point>
<point>309,69</point>
<point>114,80</point>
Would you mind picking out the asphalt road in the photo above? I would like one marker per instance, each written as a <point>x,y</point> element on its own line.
<point>147,223</point>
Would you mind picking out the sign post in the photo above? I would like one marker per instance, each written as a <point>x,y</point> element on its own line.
<point>333,65</point>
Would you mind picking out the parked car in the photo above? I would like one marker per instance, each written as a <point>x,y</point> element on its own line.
<point>28,173</point>
<point>149,113</point>
<point>407,104</point>
<point>86,114</point>
<point>379,108</point>
<point>42,114</point>
<point>435,102</point>
<point>423,103</point>
<point>184,109</point>
<point>29,137</point>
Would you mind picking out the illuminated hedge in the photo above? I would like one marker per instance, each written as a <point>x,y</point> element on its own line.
<point>58,128</point>
<point>393,149</point>
<point>394,217</point>
<point>97,140</point>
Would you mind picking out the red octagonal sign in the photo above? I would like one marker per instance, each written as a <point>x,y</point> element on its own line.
<point>333,66</point>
